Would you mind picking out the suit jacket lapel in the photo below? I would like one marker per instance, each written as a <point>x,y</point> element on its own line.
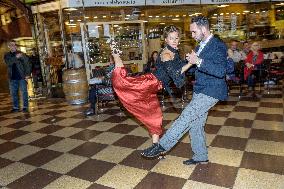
<point>197,48</point>
<point>207,46</point>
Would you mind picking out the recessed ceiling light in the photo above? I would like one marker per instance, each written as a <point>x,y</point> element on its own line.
<point>70,9</point>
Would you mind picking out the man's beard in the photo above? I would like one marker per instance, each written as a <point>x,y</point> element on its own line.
<point>201,37</point>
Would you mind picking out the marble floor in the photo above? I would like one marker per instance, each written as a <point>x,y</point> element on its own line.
<point>55,147</point>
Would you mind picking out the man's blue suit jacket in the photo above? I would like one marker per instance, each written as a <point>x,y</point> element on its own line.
<point>210,77</point>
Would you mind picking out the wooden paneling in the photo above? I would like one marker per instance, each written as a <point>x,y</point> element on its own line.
<point>17,28</point>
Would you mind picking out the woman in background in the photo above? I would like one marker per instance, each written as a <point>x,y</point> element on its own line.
<point>253,66</point>
<point>151,64</point>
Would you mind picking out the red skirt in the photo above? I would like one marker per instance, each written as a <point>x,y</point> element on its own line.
<point>139,96</point>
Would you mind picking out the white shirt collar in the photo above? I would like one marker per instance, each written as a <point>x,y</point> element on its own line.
<point>206,41</point>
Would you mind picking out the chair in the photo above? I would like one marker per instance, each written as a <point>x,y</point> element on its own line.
<point>275,72</point>
<point>260,75</point>
<point>104,93</point>
<point>236,77</point>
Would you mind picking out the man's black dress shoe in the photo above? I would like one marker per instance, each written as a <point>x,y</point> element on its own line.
<point>15,110</point>
<point>193,162</point>
<point>90,112</point>
<point>155,150</point>
<point>25,110</point>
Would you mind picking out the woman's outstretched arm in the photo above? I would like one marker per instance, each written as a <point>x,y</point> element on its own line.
<point>117,60</point>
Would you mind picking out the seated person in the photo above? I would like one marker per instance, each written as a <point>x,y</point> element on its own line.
<point>252,65</point>
<point>150,66</point>
<point>106,89</point>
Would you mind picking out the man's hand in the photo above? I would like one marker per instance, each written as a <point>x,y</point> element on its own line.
<point>193,58</point>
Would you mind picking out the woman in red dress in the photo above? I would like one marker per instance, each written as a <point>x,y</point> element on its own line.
<point>139,94</point>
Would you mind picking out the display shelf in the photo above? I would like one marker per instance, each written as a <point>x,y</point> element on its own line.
<point>129,36</point>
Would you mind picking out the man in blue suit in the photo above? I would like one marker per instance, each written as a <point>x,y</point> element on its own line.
<point>210,59</point>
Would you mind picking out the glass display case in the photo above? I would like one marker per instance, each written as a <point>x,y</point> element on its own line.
<point>129,36</point>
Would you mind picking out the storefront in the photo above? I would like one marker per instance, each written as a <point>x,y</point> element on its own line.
<point>86,25</point>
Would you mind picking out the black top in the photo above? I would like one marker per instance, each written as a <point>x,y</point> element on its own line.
<point>170,70</point>
<point>15,72</point>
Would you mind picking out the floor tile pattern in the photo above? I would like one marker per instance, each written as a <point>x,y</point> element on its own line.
<point>56,147</point>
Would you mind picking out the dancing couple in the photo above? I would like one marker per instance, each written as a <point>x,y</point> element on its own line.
<point>139,94</point>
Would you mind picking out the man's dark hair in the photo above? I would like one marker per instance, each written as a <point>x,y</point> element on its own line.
<point>200,21</point>
<point>234,40</point>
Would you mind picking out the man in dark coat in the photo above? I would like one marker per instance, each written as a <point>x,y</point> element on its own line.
<point>19,71</point>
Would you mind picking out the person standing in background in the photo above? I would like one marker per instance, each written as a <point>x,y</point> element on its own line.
<point>19,72</point>
<point>36,68</point>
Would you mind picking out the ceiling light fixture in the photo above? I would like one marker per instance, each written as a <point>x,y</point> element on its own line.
<point>222,6</point>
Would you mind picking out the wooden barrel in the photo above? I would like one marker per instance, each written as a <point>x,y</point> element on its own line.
<point>75,86</point>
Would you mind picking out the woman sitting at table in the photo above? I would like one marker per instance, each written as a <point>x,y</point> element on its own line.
<point>253,66</point>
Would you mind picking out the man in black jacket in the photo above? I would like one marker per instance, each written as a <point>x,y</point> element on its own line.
<point>18,72</point>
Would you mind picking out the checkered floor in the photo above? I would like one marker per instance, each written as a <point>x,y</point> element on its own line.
<point>55,146</point>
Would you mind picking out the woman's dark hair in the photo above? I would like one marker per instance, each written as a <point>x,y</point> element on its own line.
<point>152,54</point>
<point>200,21</point>
<point>170,29</point>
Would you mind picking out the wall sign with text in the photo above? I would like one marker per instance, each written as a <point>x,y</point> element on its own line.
<point>171,2</point>
<point>223,1</point>
<point>101,3</point>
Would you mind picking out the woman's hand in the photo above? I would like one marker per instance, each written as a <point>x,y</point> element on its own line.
<point>249,65</point>
<point>167,55</point>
